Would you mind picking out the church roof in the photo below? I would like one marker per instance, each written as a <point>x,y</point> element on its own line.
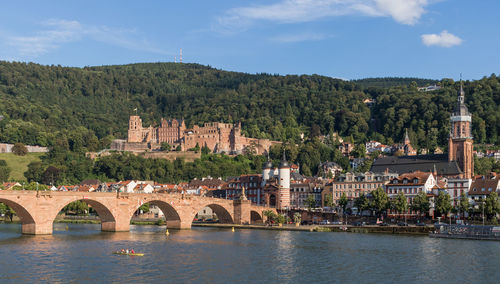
<point>424,163</point>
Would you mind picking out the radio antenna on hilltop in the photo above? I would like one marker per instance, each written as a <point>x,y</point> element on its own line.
<point>180,58</point>
<point>175,59</point>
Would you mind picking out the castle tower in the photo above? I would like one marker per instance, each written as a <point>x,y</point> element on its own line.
<point>134,129</point>
<point>460,143</point>
<point>266,171</point>
<point>284,184</point>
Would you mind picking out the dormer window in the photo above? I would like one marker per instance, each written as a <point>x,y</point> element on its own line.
<point>395,181</point>
<point>405,181</point>
<point>415,180</point>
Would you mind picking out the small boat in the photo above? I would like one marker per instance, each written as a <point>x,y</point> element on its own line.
<point>132,254</point>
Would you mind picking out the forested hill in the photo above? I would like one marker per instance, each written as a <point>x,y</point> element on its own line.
<point>42,104</point>
<point>387,82</point>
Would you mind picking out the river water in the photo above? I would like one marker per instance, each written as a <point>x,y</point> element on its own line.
<point>83,254</point>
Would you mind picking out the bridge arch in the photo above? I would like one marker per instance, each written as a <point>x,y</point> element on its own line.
<point>27,221</point>
<point>108,220</point>
<point>172,217</point>
<point>255,217</point>
<point>223,212</point>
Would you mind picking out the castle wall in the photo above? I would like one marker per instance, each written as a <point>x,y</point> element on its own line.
<point>218,137</point>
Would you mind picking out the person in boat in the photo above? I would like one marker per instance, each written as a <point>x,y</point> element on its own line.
<point>132,251</point>
<point>126,251</point>
<point>122,251</point>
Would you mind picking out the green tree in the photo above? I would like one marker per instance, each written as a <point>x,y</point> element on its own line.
<point>421,203</point>
<point>343,202</point>
<point>4,171</point>
<point>297,217</point>
<point>51,175</point>
<point>380,201</point>
<point>362,202</point>
<point>144,208</point>
<point>492,205</point>
<point>76,208</point>
<point>270,216</point>
<point>401,203</point>
<point>7,211</point>
<point>359,151</point>
<point>443,204</point>
<point>196,148</point>
<point>328,202</point>
<point>311,201</point>
<point>164,146</point>
<point>34,172</point>
<point>463,205</point>
<point>205,150</point>
<point>19,149</point>
<point>281,219</point>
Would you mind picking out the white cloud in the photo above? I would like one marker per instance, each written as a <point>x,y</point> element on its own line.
<point>444,39</point>
<point>299,37</point>
<point>406,12</point>
<point>54,33</point>
<point>403,11</point>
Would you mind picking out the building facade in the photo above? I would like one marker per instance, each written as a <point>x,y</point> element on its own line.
<point>354,185</point>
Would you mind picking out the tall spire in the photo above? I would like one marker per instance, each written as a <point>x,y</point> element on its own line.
<point>461,108</point>
<point>284,163</point>
<point>461,95</point>
<point>407,139</point>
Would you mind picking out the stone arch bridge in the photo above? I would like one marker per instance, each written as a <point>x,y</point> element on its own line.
<point>37,210</point>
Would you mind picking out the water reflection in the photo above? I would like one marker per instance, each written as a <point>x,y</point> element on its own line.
<point>82,253</point>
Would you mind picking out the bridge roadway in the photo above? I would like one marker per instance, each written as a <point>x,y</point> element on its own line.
<point>37,210</point>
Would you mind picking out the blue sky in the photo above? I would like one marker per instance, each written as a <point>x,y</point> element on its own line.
<point>348,39</point>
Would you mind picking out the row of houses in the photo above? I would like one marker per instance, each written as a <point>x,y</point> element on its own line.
<point>350,184</point>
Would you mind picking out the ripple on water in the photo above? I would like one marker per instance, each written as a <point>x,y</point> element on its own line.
<point>84,254</point>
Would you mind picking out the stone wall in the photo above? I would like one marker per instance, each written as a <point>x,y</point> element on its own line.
<point>7,148</point>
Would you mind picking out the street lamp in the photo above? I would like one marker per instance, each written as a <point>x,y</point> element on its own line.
<point>483,211</point>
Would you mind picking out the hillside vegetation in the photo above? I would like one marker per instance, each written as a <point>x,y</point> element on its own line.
<point>19,164</point>
<point>84,108</point>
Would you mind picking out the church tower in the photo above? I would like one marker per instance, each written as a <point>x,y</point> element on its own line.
<point>460,143</point>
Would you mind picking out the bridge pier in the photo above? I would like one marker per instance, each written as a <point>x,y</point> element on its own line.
<point>36,229</point>
<point>242,212</point>
<point>112,226</point>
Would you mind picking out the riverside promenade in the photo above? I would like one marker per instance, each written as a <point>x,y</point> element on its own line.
<point>408,230</point>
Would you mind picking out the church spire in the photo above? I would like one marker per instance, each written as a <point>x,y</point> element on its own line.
<point>407,139</point>
<point>461,94</point>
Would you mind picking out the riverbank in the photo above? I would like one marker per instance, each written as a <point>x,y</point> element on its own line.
<point>409,230</point>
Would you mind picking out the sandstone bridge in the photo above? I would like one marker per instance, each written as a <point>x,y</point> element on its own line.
<point>37,210</point>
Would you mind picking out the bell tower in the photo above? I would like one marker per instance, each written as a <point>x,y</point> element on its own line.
<point>460,143</point>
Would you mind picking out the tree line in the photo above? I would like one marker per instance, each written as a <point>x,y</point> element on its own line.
<point>89,106</point>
